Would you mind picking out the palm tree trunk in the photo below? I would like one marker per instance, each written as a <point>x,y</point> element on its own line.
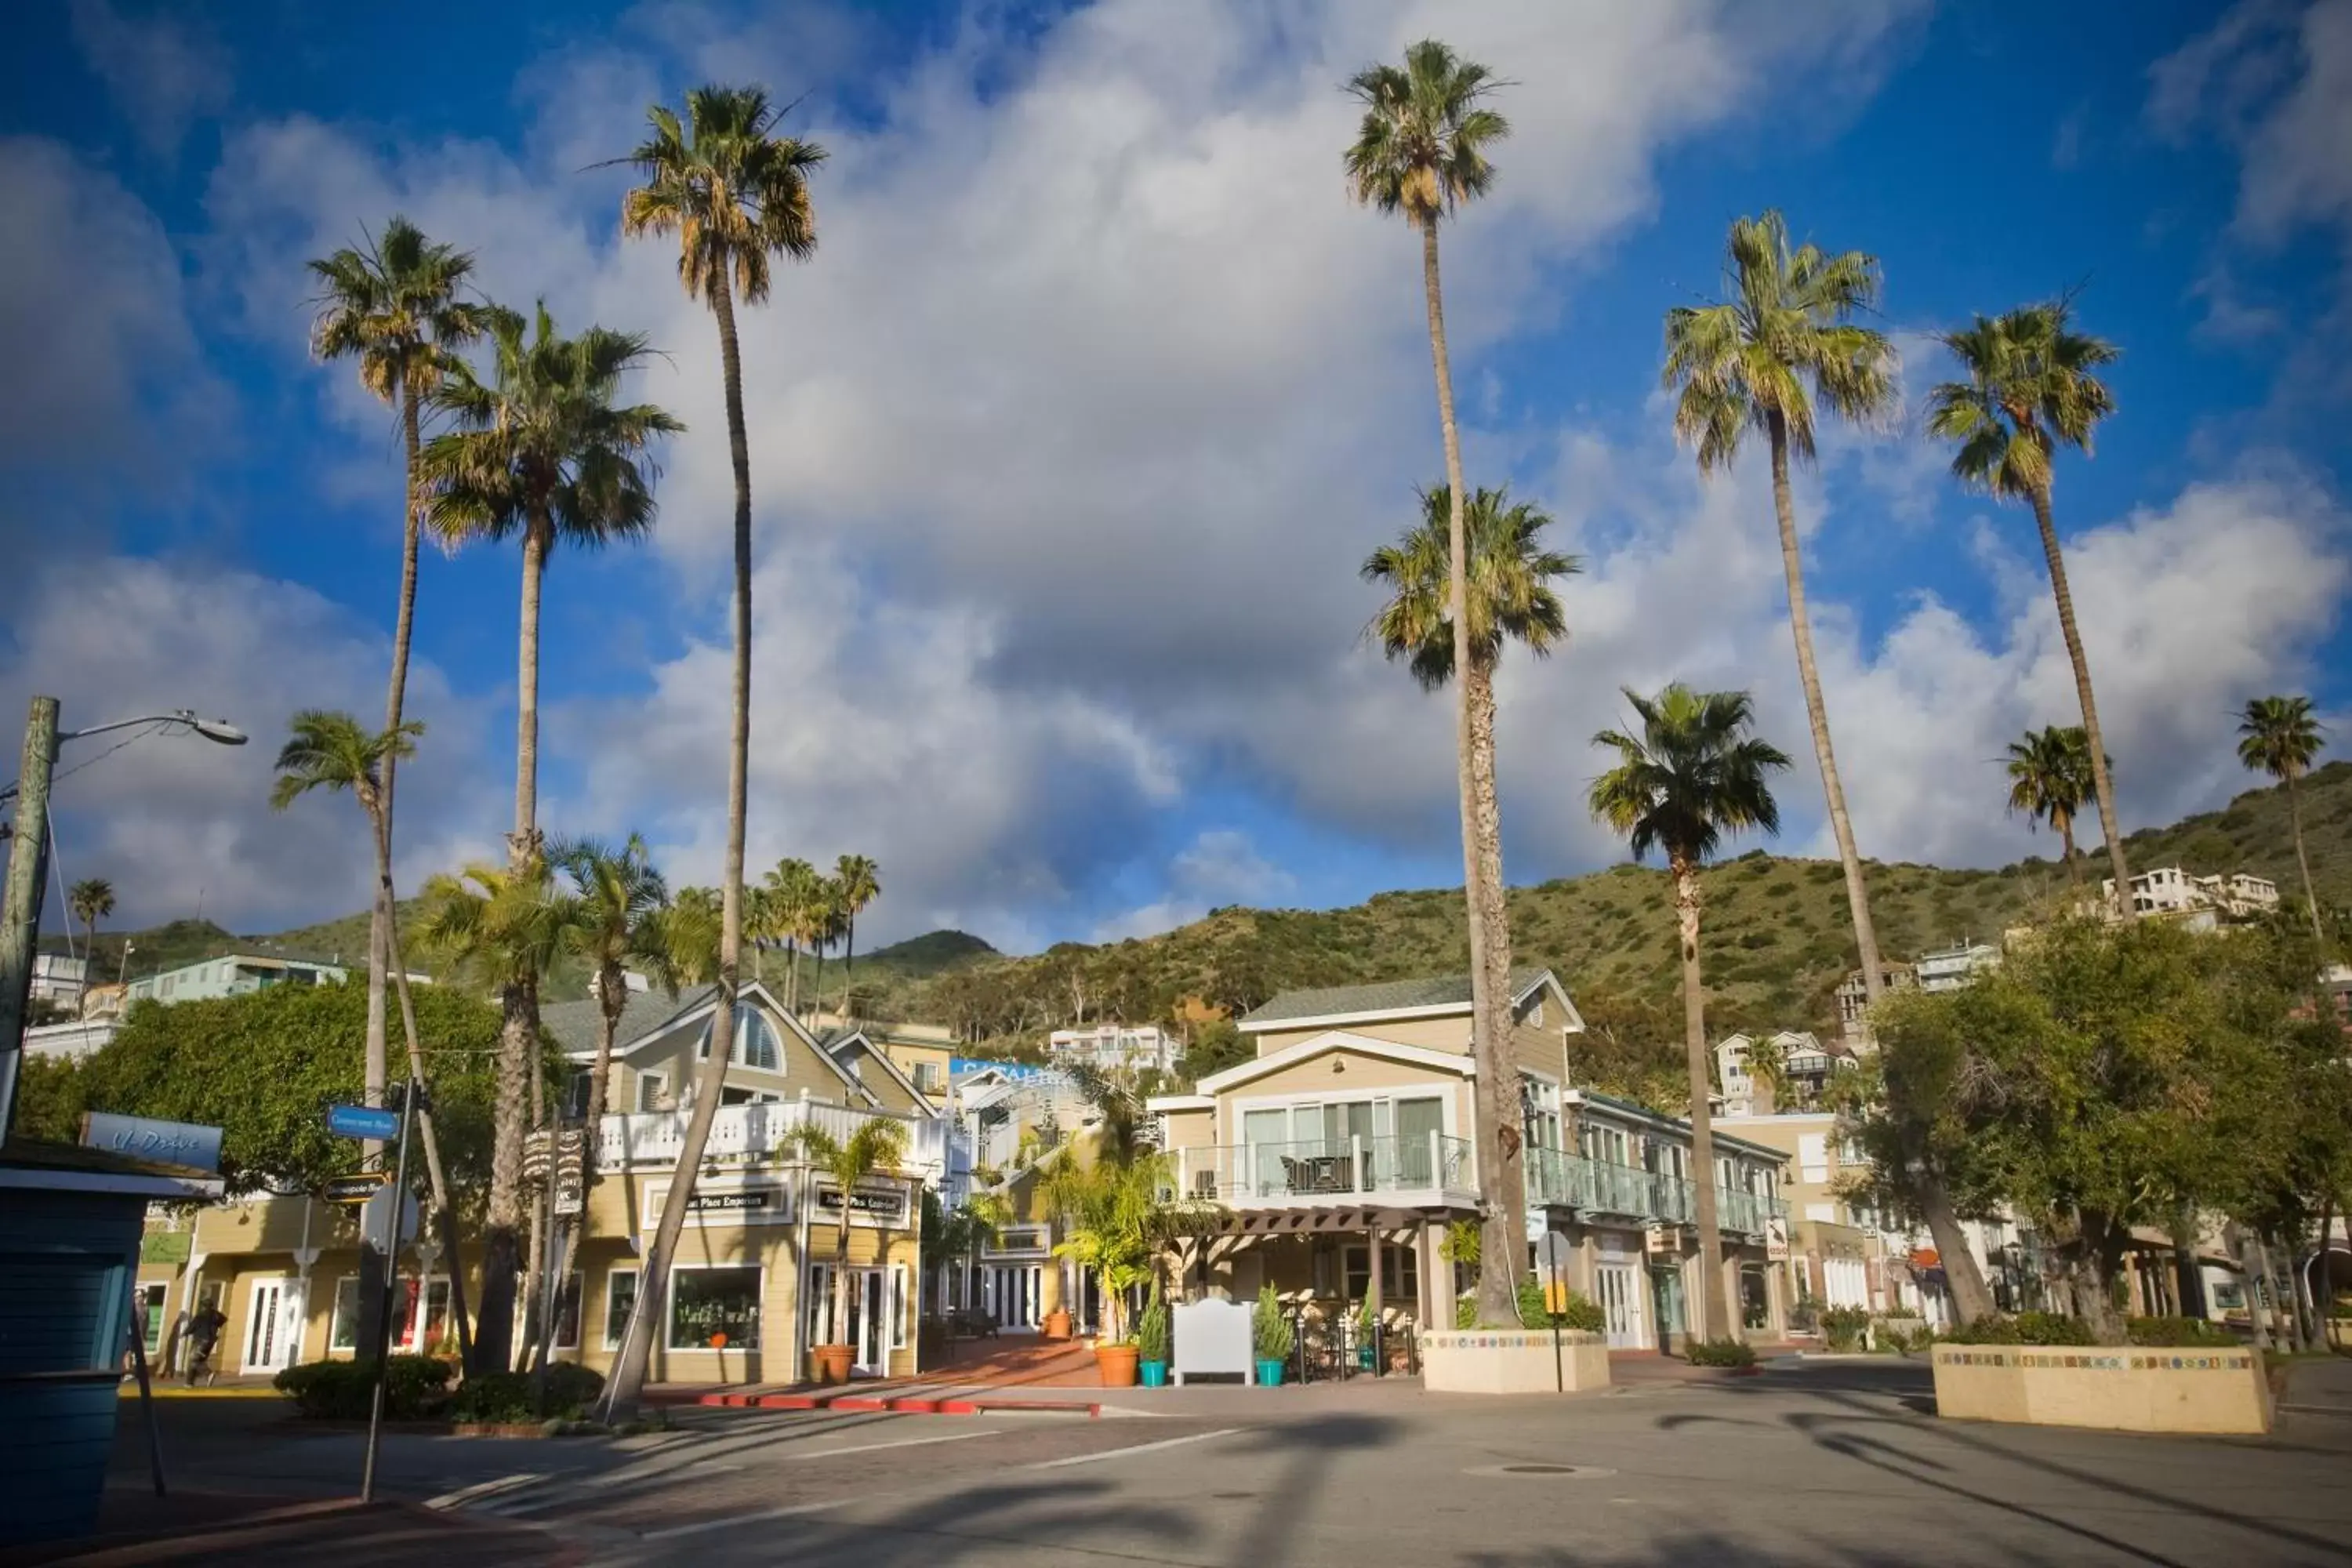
<point>849,961</point>
<point>1800,625</point>
<point>629,1367</point>
<point>1486,808</point>
<point>444,1208</point>
<point>612,992</point>
<point>2074,861</point>
<point>1490,958</point>
<point>1713,1297</point>
<point>2302,864</point>
<point>2100,783</point>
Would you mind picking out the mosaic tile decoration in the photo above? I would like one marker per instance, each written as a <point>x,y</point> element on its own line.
<point>2093,1361</point>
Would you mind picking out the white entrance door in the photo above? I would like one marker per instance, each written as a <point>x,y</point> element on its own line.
<point>273,1326</point>
<point>873,1311</point>
<point>1621,1305</point>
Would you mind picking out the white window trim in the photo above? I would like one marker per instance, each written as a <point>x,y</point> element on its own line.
<point>1238,1107</point>
<point>660,1081</point>
<point>613,1340</point>
<point>669,1308</point>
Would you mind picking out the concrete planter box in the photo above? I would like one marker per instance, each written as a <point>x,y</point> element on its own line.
<point>1513,1360</point>
<point>2118,1388</point>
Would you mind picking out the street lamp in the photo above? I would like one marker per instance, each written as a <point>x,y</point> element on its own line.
<point>20,910</point>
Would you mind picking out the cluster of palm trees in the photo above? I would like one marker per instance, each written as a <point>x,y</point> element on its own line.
<point>536,445</point>
<point>1787,337</point>
<point>797,907</point>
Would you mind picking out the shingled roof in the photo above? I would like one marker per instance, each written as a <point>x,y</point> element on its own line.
<point>1383,996</point>
<point>572,1025</point>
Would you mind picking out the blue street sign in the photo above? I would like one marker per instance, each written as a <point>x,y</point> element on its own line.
<point>362,1122</point>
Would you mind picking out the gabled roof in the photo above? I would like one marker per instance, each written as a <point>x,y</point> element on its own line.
<point>1434,996</point>
<point>1336,1040</point>
<point>649,1016</point>
<point>837,1043</point>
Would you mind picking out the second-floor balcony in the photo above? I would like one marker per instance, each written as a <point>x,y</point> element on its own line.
<point>1595,1187</point>
<point>1410,1170</point>
<point>763,1130</point>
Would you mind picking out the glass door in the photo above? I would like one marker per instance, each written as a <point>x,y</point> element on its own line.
<point>872,1306</point>
<point>273,1325</point>
<point>1264,1134</point>
<point>1621,1305</point>
<point>1417,1121</point>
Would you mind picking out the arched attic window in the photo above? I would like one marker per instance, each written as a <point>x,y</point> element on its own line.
<point>756,1044</point>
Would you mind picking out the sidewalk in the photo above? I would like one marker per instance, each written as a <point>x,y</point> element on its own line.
<point>195,1527</point>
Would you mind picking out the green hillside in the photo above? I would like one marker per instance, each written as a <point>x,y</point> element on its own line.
<point>1778,940</point>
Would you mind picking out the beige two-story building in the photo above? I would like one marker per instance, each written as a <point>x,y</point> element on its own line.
<point>1341,1154</point>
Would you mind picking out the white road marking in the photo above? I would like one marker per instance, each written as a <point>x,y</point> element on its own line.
<point>733,1519</point>
<point>1136,1448</point>
<point>895,1443</point>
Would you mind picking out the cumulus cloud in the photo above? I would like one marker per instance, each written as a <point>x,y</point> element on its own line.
<point>163,72</point>
<point>173,820</point>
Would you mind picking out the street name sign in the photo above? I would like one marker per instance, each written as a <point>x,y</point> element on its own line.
<point>355,1189</point>
<point>362,1122</point>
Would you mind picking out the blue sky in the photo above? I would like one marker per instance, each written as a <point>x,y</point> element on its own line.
<point>1067,445</point>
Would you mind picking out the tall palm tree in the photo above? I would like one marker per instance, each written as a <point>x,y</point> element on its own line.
<point>92,900</point>
<point>789,897</point>
<point>859,882</point>
<point>1693,777</point>
<point>690,935</point>
<point>502,927</point>
<point>544,450</point>
<point>392,303</point>
<point>825,924</point>
<point>1783,336</point>
<point>1419,153</point>
<point>734,193</point>
<point>878,1145</point>
<point>619,921</point>
<point>2050,781</point>
<point>2280,737</point>
<point>2029,389</point>
<point>333,752</point>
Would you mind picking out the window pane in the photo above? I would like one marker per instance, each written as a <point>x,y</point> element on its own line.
<point>620,1300</point>
<point>567,1313</point>
<point>711,1308</point>
<point>344,1333</point>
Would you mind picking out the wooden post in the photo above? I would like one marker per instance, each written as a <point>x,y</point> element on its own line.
<point>1373,1293</point>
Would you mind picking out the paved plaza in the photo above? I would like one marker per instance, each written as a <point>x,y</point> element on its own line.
<point>1823,1463</point>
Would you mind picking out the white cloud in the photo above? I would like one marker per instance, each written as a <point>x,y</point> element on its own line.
<point>173,820</point>
<point>163,72</point>
<point>1219,867</point>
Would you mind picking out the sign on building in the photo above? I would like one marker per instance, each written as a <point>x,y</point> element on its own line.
<point>867,1205</point>
<point>171,1143</point>
<point>1775,1238</point>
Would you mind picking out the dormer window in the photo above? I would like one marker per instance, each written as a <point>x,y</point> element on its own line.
<point>756,1044</point>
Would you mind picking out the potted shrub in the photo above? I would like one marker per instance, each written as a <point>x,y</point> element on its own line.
<point>1152,1340</point>
<point>877,1146</point>
<point>1270,1332</point>
<point>1368,1325</point>
<point>1117,1218</point>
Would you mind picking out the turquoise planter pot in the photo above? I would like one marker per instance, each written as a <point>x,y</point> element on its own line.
<point>1155,1374</point>
<point>1269,1373</point>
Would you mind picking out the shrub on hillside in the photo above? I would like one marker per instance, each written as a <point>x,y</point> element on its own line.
<point>414,1387</point>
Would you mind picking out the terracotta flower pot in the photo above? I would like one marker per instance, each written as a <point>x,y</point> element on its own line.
<point>1118,1364</point>
<point>1057,1324</point>
<point>831,1363</point>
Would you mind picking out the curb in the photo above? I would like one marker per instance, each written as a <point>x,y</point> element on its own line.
<point>901,1404</point>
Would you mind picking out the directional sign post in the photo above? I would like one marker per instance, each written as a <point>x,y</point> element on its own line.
<point>1553,1252</point>
<point>368,1122</point>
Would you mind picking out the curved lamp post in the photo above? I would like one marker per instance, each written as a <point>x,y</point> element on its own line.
<point>20,913</point>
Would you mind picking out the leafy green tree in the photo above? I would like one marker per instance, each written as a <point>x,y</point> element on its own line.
<point>1784,335</point>
<point>2278,736</point>
<point>92,900</point>
<point>261,1065</point>
<point>2050,781</point>
<point>1421,152</point>
<point>734,193</point>
<point>858,881</point>
<point>2029,387</point>
<point>1692,775</point>
<point>393,304</point>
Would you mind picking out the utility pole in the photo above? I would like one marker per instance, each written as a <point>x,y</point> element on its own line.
<point>20,908</point>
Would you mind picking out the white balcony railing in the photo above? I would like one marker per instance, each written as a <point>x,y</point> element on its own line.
<point>761,1130</point>
<point>1328,1171</point>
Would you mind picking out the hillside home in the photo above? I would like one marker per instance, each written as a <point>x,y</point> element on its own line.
<point>1115,1047</point>
<point>1803,1071</point>
<point>2171,891</point>
<point>1341,1154</point>
<point>754,1284</point>
<point>236,974</point>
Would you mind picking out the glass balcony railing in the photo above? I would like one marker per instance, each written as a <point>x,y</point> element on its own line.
<point>1556,1179</point>
<point>1318,1169</point>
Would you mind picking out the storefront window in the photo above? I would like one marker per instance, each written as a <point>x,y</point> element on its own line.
<point>620,1300</point>
<point>567,1314</point>
<point>1400,1273</point>
<point>1755,1301</point>
<point>410,1334</point>
<point>151,1315</point>
<point>715,1308</point>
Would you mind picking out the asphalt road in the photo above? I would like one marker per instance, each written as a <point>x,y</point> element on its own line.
<point>1835,1464</point>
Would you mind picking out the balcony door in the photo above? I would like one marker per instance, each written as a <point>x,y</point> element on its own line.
<point>1417,1124</point>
